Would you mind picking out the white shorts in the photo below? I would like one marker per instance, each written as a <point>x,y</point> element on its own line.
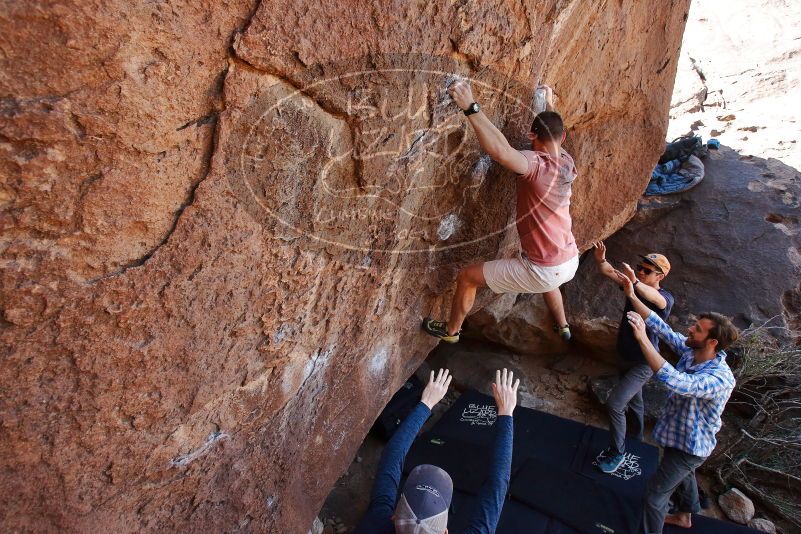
<point>521,275</point>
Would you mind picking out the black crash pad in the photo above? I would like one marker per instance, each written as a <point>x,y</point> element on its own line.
<point>631,478</point>
<point>516,518</point>
<point>555,486</point>
<point>536,434</point>
<point>574,499</point>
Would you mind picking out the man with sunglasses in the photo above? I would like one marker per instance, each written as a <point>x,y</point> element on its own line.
<point>635,372</point>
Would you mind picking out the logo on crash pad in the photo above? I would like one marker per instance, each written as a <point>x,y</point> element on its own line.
<point>479,414</point>
<point>629,469</point>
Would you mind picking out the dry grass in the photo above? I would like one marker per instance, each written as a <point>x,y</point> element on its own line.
<point>760,450</point>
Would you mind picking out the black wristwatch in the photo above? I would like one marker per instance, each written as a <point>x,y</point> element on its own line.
<point>472,108</point>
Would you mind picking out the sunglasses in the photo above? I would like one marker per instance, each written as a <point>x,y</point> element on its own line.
<point>645,269</point>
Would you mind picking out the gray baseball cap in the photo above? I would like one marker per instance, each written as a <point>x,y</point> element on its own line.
<point>424,502</point>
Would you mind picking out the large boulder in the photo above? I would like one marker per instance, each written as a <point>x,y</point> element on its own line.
<point>733,243</point>
<point>223,223</point>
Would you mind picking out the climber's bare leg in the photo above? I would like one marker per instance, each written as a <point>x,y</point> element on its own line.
<point>553,299</point>
<point>468,281</point>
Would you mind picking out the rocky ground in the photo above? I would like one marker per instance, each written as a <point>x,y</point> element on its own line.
<point>739,77</point>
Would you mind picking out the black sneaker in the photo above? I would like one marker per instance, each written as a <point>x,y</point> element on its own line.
<point>439,329</point>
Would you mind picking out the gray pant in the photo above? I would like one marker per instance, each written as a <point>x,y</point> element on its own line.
<point>676,470</point>
<point>627,392</point>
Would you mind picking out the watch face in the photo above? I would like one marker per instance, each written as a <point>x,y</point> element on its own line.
<point>474,107</point>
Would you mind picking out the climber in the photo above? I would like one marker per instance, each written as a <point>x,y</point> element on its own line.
<point>426,496</point>
<point>544,178</point>
<point>635,372</point>
<point>700,385</point>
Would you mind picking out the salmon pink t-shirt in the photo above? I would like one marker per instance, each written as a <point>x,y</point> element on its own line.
<point>543,208</point>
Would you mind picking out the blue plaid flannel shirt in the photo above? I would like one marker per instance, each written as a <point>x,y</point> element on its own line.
<point>698,394</point>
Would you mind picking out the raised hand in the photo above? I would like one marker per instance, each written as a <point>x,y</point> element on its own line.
<point>599,251</point>
<point>629,272</point>
<point>626,283</point>
<point>436,388</point>
<point>462,94</point>
<point>505,392</point>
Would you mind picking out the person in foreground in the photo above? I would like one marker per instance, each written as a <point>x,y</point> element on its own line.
<point>545,175</point>
<point>634,371</point>
<point>700,385</point>
<point>423,504</point>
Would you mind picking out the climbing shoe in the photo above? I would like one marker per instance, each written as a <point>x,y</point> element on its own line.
<point>609,465</point>
<point>439,329</point>
<point>563,331</point>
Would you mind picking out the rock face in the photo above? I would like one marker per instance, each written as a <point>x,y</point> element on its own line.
<point>222,224</point>
<point>720,238</point>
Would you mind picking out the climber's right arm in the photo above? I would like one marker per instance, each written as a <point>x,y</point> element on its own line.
<point>490,138</point>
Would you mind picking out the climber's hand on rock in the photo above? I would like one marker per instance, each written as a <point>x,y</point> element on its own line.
<point>637,325</point>
<point>436,388</point>
<point>462,94</point>
<point>505,392</point>
<point>548,94</point>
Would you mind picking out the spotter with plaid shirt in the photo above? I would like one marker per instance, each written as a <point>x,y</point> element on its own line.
<point>700,385</point>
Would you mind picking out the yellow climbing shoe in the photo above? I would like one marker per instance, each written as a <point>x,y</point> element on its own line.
<point>439,329</point>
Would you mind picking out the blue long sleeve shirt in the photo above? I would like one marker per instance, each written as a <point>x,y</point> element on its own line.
<point>384,496</point>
